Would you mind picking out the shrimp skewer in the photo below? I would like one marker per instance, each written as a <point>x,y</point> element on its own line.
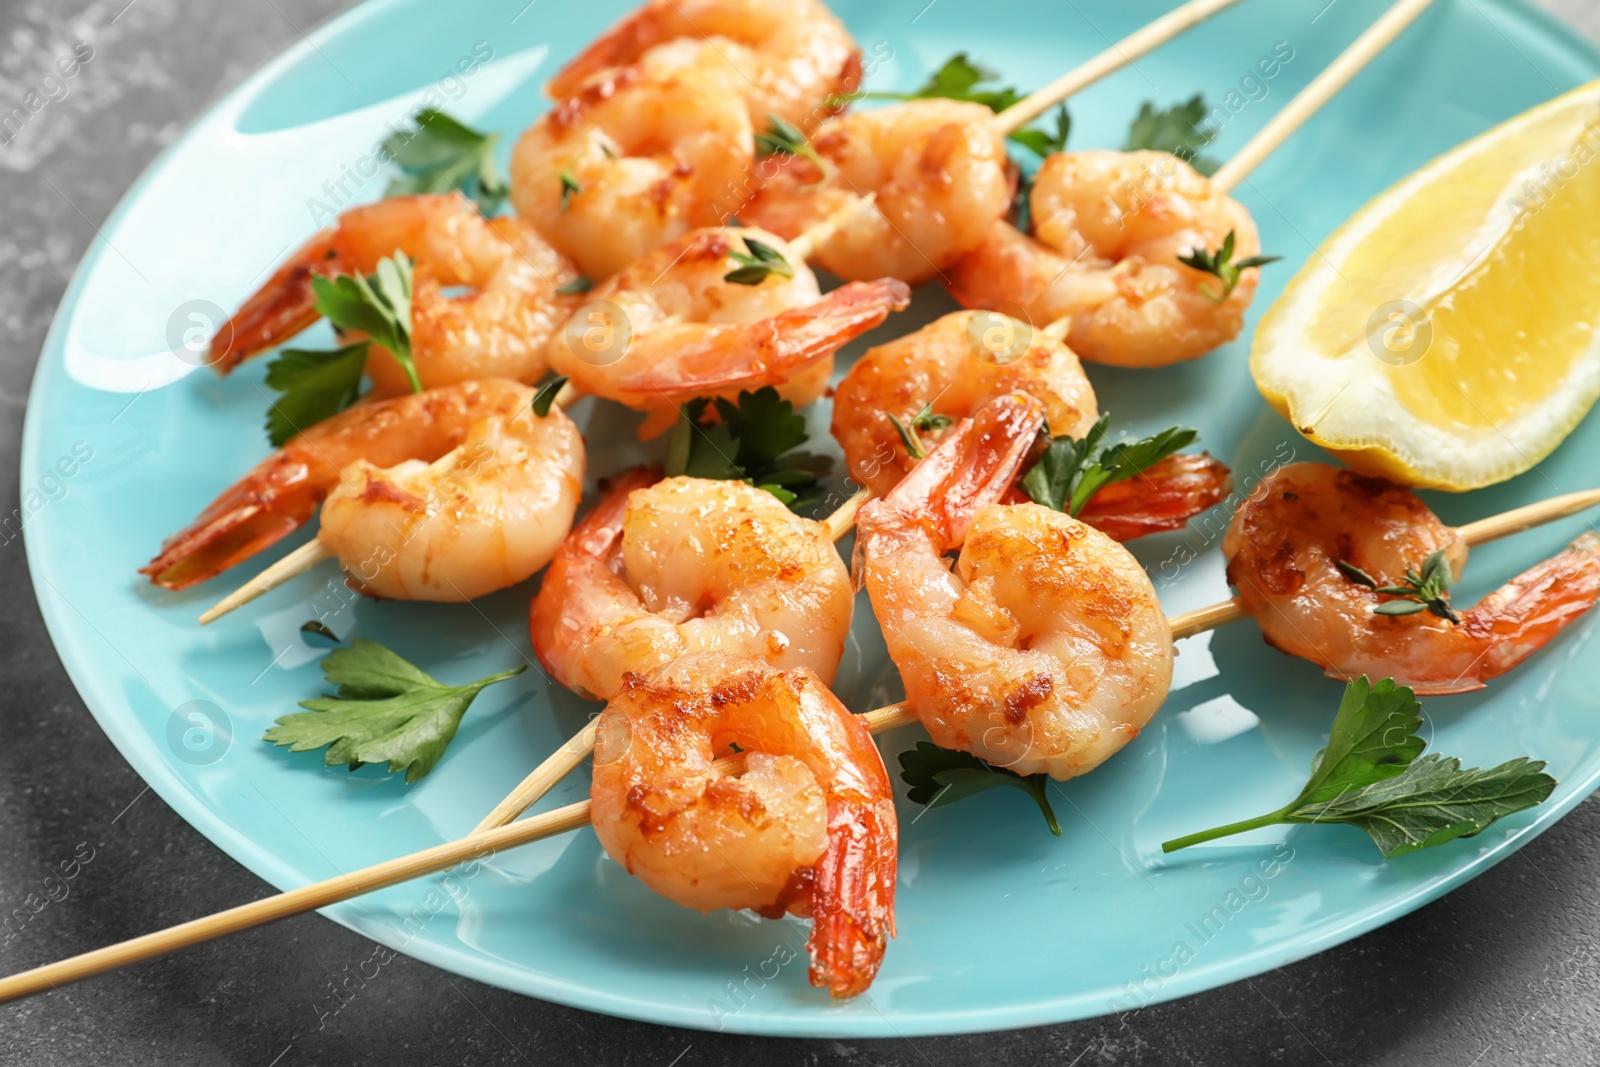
<point>499,330</point>
<point>1109,265</point>
<point>809,827</point>
<point>938,169</point>
<point>440,495</point>
<point>574,816</point>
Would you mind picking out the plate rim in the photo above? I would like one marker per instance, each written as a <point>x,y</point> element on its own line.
<point>138,748</point>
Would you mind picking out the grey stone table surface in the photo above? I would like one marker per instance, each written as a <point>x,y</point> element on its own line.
<point>1504,970</point>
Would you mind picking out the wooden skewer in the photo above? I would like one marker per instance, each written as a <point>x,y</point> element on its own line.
<point>475,846</point>
<point>1366,48</point>
<point>484,843</point>
<point>1474,533</point>
<point>1124,52</point>
<point>572,754</point>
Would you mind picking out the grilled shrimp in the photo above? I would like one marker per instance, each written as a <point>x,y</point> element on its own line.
<point>670,327</point>
<point>497,330</point>
<point>631,160</point>
<point>954,365</point>
<point>1108,231</point>
<point>940,172</point>
<point>782,57</point>
<point>1284,548</point>
<point>958,363</point>
<point>1046,649</point>
<point>662,568</point>
<point>445,494</point>
<point>808,828</point>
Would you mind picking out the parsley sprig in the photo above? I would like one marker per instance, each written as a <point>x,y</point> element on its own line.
<point>386,710</point>
<point>1047,144</point>
<point>1221,264</point>
<point>760,261</point>
<point>1424,590</point>
<point>1071,471</point>
<point>755,442</point>
<point>1179,130</point>
<point>1369,776</point>
<point>784,138</point>
<point>924,420</point>
<point>316,384</point>
<point>937,777</point>
<point>442,154</point>
<point>546,396</point>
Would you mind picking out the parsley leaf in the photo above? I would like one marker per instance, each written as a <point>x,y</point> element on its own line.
<point>569,189</point>
<point>1071,471</point>
<point>1221,264</point>
<point>386,710</point>
<point>314,384</point>
<point>761,261</point>
<point>959,79</point>
<point>378,305</point>
<point>1370,777</point>
<point>1180,130</point>
<point>938,776</point>
<point>755,442</point>
<point>1046,144</point>
<point>442,154</point>
<point>1428,590</point>
<point>547,396</point>
<point>580,284</point>
<point>784,138</point>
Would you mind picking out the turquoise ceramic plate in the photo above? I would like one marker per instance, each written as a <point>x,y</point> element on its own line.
<point>1001,925</point>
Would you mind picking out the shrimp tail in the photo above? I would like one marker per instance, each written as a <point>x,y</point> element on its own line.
<point>1520,617</point>
<point>276,498</point>
<point>590,542</point>
<point>852,897</point>
<point>974,465</point>
<point>281,308</point>
<point>781,346</point>
<point>1164,497</point>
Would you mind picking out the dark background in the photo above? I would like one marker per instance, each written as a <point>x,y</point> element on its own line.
<point>1503,970</point>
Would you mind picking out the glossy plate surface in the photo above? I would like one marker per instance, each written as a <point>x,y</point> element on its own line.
<point>1001,925</point>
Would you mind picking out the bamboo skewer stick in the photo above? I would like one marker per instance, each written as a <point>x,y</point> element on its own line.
<point>479,845</point>
<point>482,843</point>
<point>1323,88</point>
<point>1134,46</point>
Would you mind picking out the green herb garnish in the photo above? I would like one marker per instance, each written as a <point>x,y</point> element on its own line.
<point>784,138</point>
<point>569,189</point>
<point>754,442</point>
<point>762,260</point>
<point>1369,777</point>
<point>921,421</point>
<point>314,384</point>
<point>1221,264</point>
<point>1046,144</point>
<point>546,396</point>
<point>1179,130</point>
<point>1071,471</point>
<point>1427,590</point>
<point>443,154</point>
<point>385,711</point>
<point>580,284</point>
<point>938,776</point>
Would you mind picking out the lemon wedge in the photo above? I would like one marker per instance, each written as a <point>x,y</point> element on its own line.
<point>1446,336</point>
